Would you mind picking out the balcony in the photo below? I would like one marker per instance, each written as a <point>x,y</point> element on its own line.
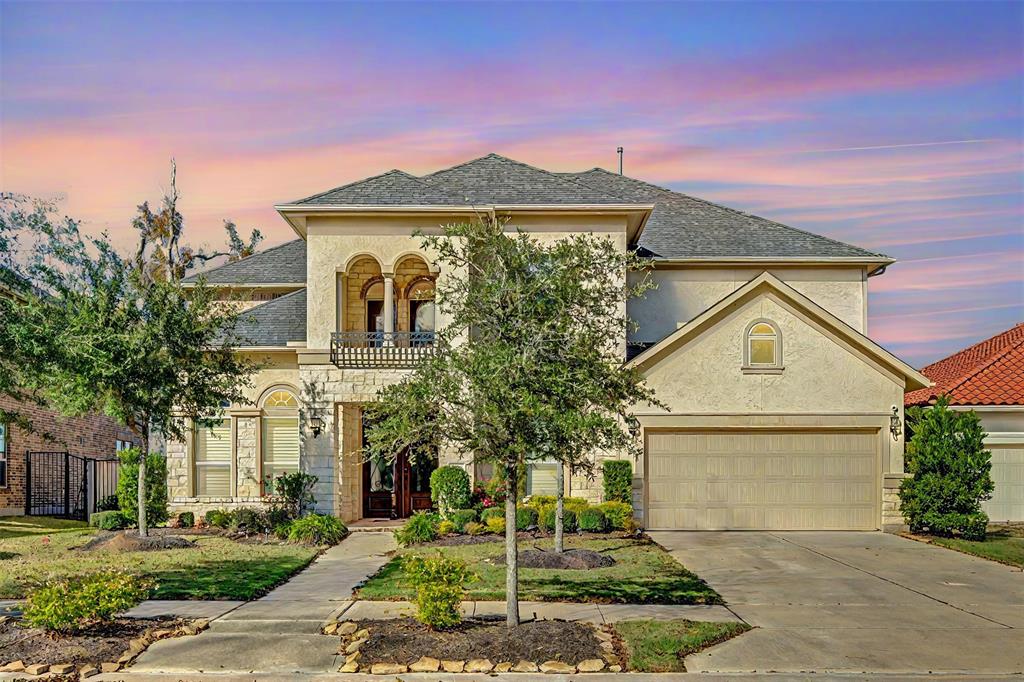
<point>377,350</point>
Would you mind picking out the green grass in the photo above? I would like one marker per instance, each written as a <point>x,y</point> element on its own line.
<point>658,646</point>
<point>33,549</point>
<point>644,573</point>
<point>1004,544</point>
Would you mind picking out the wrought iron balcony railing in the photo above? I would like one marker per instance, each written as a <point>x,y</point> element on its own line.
<point>380,349</point>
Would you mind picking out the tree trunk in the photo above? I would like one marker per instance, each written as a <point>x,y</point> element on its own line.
<point>559,507</point>
<point>143,527</point>
<point>511,552</point>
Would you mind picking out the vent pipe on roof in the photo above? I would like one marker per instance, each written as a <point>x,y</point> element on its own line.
<point>619,152</point>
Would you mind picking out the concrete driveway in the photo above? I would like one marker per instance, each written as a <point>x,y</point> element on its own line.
<point>856,603</point>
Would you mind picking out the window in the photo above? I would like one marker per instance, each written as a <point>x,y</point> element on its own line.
<point>280,437</point>
<point>763,346</point>
<point>213,460</point>
<point>542,478</point>
<point>120,445</point>
<point>3,455</point>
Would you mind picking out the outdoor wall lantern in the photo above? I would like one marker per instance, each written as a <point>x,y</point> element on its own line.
<point>895,425</point>
<point>316,425</point>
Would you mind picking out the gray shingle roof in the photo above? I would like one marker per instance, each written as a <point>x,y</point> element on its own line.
<point>394,188</point>
<point>682,226</point>
<point>275,322</point>
<point>283,264</point>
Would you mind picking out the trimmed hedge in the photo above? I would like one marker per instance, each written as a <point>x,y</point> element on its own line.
<point>618,514</point>
<point>450,489</point>
<point>617,477</point>
<point>592,520</point>
<point>109,520</point>
<point>547,520</point>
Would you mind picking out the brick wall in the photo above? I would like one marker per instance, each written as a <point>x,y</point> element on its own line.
<point>91,436</point>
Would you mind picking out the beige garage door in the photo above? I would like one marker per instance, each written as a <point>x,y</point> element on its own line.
<point>1007,503</point>
<point>756,480</point>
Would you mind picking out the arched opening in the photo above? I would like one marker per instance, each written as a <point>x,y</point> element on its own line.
<point>279,437</point>
<point>762,347</point>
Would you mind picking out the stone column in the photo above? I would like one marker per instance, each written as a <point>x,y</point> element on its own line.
<point>389,309</point>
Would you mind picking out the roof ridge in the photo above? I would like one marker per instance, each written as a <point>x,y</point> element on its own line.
<point>354,183</point>
<point>986,363</point>
<point>235,262</point>
<point>742,213</point>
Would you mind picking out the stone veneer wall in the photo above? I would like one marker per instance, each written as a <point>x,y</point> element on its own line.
<point>892,518</point>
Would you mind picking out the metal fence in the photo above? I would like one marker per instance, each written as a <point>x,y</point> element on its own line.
<point>67,485</point>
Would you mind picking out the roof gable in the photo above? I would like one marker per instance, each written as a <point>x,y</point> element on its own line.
<point>274,323</point>
<point>991,372</point>
<point>282,264</point>
<point>768,282</point>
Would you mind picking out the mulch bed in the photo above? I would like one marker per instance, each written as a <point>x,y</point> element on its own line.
<point>571,559</point>
<point>404,640</point>
<point>130,541</point>
<point>104,642</point>
<point>524,536</point>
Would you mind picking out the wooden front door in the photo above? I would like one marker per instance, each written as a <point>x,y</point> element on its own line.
<point>396,489</point>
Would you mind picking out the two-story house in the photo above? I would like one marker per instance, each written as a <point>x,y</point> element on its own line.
<point>782,414</point>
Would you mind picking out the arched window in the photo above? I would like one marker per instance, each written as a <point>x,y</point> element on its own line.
<point>762,346</point>
<point>280,436</point>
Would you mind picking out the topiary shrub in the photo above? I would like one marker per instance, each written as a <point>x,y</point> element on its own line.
<point>547,520</point>
<point>421,527</point>
<point>460,517</point>
<point>526,517</point>
<point>951,473</point>
<point>185,520</point>
<point>109,520</point>
<point>592,520</point>
<point>156,486</point>
<point>317,529</point>
<point>618,514</point>
<point>617,477</point>
<point>218,518</point>
<point>492,513</point>
<point>72,604</point>
<point>440,584</point>
<point>495,524</point>
<point>450,489</point>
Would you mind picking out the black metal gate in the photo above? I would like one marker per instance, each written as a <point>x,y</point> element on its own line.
<point>66,485</point>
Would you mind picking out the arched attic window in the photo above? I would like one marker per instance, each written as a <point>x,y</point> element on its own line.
<point>762,346</point>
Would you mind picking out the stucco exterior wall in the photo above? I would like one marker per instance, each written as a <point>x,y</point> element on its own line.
<point>684,292</point>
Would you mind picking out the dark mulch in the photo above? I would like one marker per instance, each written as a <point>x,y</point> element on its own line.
<point>524,536</point>
<point>104,642</point>
<point>130,541</point>
<point>572,559</point>
<point>404,640</point>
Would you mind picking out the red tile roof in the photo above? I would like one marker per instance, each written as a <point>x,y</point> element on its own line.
<point>987,373</point>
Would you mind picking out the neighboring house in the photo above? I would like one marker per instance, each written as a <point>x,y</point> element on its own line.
<point>988,378</point>
<point>779,404</point>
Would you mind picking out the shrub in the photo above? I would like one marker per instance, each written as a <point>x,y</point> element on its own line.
<point>618,514</point>
<point>296,491</point>
<point>156,486</point>
<point>495,524</point>
<point>446,527</point>
<point>492,513</point>
<point>218,518</point>
<point>250,520</point>
<point>283,530</point>
<point>491,494</point>
<point>72,604</point>
<point>592,520</point>
<point>421,527</point>
<point>440,584</point>
<point>317,529</point>
<point>577,504</point>
<point>109,520</point>
<point>547,520</point>
<point>538,501</point>
<point>951,473</point>
<point>526,517</point>
<point>186,520</point>
<point>449,489</point>
<point>108,503</point>
<point>460,517</point>
<point>474,528</point>
<point>617,477</point>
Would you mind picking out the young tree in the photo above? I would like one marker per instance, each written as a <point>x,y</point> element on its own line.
<point>101,332</point>
<point>951,472</point>
<point>528,365</point>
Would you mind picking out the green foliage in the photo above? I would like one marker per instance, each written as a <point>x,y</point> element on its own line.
<point>547,520</point>
<point>538,501</point>
<point>950,470</point>
<point>617,477</point>
<point>618,514</point>
<point>450,489</point>
<point>186,519</point>
<point>108,503</point>
<point>72,604</point>
<point>526,517</point>
<point>475,528</point>
<point>495,524</point>
<point>249,520</point>
<point>492,513</point>
<point>446,527</point>
<point>218,518</point>
<point>577,504</point>
<point>109,520</point>
<point>156,486</point>
<point>421,527</point>
<point>317,529</point>
<point>440,584</point>
<point>592,520</point>
<point>460,517</point>
<point>296,491</point>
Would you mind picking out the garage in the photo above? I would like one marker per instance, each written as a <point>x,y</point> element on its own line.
<point>753,479</point>
<point>1007,503</point>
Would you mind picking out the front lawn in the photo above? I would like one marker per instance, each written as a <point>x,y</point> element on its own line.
<point>1004,544</point>
<point>644,573</point>
<point>659,646</point>
<point>36,548</point>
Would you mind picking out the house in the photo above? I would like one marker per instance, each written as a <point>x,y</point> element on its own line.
<point>988,378</point>
<point>780,406</point>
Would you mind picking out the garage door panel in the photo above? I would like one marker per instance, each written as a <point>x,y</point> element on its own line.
<point>755,480</point>
<point>1007,503</point>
